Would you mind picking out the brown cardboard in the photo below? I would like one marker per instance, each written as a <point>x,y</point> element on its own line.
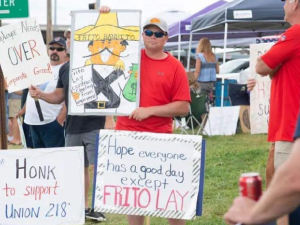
<point>245,118</point>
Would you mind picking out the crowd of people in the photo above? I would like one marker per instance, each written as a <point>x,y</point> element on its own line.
<point>155,113</point>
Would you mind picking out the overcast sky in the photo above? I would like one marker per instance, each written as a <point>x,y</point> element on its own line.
<point>148,7</point>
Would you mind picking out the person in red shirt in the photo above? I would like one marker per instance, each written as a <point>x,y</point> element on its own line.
<point>164,93</point>
<point>282,62</point>
<point>164,90</point>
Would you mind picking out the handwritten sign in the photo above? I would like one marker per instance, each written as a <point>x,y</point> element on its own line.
<point>148,174</point>
<point>23,56</point>
<point>106,47</point>
<point>83,90</point>
<point>222,120</point>
<point>44,186</point>
<point>260,95</point>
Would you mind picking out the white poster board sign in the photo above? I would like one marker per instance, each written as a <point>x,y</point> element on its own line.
<point>23,56</point>
<point>42,186</point>
<point>222,120</point>
<point>148,174</point>
<point>105,62</point>
<point>260,95</point>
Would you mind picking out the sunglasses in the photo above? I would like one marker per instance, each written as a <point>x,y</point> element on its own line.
<point>157,34</point>
<point>59,49</point>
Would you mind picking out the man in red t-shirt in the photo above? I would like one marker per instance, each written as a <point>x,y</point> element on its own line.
<point>164,90</point>
<point>164,85</point>
<point>282,62</point>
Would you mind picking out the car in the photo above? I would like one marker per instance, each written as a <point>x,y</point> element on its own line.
<point>234,66</point>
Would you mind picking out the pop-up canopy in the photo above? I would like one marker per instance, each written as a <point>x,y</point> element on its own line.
<point>180,31</point>
<point>241,18</point>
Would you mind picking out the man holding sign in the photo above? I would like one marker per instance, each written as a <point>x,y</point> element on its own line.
<point>50,132</point>
<point>80,130</point>
<point>164,90</point>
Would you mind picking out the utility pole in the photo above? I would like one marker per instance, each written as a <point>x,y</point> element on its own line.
<point>55,14</point>
<point>49,33</point>
<point>3,139</point>
<point>97,4</point>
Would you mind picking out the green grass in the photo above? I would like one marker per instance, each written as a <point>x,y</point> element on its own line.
<point>226,158</point>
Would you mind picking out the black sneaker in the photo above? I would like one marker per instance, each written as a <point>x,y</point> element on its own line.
<point>92,215</point>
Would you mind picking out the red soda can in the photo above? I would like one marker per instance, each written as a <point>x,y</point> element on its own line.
<point>250,185</point>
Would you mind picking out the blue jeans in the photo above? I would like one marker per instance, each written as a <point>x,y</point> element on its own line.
<point>27,133</point>
<point>50,135</point>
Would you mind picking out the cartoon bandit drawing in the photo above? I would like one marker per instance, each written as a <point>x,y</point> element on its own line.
<point>106,42</point>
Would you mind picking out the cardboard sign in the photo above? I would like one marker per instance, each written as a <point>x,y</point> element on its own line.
<point>42,186</point>
<point>148,174</point>
<point>104,64</point>
<point>245,118</point>
<point>260,95</point>
<point>23,56</point>
<point>222,120</point>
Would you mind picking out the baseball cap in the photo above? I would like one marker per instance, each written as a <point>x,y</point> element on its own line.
<point>155,21</point>
<point>59,40</point>
<point>67,31</point>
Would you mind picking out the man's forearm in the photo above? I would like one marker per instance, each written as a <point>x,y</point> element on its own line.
<point>262,68</point>
<point>109,119</point>
<point>55,97</point>
<point>283,195</point>
<point>272,74</point>
<point>178,108</point>
<point>109,122</point>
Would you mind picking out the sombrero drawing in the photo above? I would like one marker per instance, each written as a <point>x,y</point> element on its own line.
<point>107,27</point>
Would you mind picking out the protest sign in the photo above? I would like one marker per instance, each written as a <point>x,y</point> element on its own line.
<point>104,65</point>
<point>148,174</point>
<point>83,90</point>
<point>260,95</point>
<point>44,186</point>
<point>23,56</point>
<point>222,120</point>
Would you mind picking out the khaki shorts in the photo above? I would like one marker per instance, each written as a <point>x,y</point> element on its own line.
<point>14,106</point>
<point>282,152</point>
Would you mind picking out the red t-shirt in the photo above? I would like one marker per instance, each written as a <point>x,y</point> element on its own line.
<point>285,88</point>
<point>162,82</point>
